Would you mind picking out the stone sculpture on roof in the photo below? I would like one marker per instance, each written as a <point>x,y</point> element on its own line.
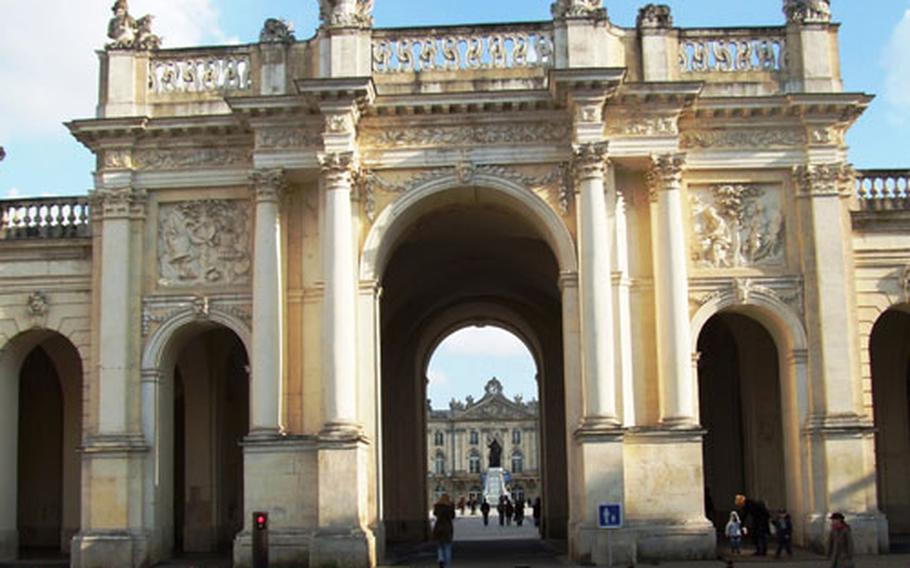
<point>130,33</point>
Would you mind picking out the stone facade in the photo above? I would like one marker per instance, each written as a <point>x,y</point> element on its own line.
<point>459,440</point>
<point>280,233</point>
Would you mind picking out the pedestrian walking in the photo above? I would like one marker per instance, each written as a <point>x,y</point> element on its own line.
<point>519,512</point>
<point>734,533</point>
<point>501,509</point>
<point>444,530</point>
<point>783,526</point>
<point>535,509</point>
<point>840,542</point>
<point>510,510</point>
<point>485,511</point>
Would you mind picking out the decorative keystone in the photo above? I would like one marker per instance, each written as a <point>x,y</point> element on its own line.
<point>129,33</point>
<point>807,11</point>
<point>654,16</point>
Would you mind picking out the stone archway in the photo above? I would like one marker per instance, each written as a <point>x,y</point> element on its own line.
<point>197,402</point>
<point>741,411</point>
<point>41,381</point>
<point>889,351</point>
<point>447,256</point>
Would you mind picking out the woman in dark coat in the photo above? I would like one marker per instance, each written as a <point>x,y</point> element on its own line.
<point>443,530</point>
<point>840,543</point>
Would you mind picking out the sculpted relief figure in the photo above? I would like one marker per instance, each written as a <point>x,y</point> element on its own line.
<point>736,226</point>
<point>129,33</point>
<point>346,13</point>
<point>203,242</point>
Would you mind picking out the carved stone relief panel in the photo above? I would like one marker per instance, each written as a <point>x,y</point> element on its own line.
<point>204,243</point>
<point>737,225</point>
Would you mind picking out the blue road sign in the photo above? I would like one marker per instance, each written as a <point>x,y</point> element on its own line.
<point>609,515</point>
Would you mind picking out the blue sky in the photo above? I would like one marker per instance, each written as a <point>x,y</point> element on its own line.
<point>463,363</point>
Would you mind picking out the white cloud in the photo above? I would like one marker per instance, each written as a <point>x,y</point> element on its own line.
<point>483,341</point>
<point>896,59</point>
<point>437,377</point>
<point>12,193</point>
<point>49,69</point>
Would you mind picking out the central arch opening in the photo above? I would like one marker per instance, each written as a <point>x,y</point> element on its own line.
<point>483,433</point>
<point>459,257</point>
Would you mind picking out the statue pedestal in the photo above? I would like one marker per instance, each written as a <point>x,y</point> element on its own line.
<point>495,485</point>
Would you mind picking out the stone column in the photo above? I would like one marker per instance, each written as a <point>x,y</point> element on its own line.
<point>836,431</point>
<point>113,530</point>
<point>339,317</point>
<point>267,337</point>
<point>595,279</point>
<point>671,292</point>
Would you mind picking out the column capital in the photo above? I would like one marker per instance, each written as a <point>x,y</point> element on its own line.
<point>338,168</point>
<point>824,180</point>
<point>589,160</point>
<point>268,184</point>
<point>807,11</point>
<point>118,203</point>
<point>578,9</point>
<point>665,172</point>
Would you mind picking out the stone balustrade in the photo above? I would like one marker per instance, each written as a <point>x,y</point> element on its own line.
<point>463,48</point>
<point>713,53</point>
<point>883,190</point>
<point>219,71</point>
<point>45,218</point>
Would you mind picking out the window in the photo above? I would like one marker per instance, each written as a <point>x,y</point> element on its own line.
<point>439,439</point>
<point>475,439</point>
<point>440,463</point>
<point>474,463</point>
<point>516,436</point>
<point>517,462</point>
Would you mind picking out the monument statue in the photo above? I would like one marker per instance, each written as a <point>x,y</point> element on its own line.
<point>495,454</point>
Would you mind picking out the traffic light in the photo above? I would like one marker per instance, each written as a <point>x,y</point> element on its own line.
<point>260,539</point>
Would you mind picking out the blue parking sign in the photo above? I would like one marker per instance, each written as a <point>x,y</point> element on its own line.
<point>609,515</point>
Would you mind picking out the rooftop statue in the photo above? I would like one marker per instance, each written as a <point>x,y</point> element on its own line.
<point>807,11</point>
<point>346,13</point>
<point>655,16</point>
<point>128,32</point>
<point>277,31</point>
<point>562,9</point>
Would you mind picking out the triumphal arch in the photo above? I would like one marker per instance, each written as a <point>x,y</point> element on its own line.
<point>239,316</point>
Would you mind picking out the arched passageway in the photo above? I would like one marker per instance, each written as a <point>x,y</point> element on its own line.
<point>741,411</point>
<point>210,401</point>
<point>40,432</point>
<point>889,348</point>
<point>465,258</point>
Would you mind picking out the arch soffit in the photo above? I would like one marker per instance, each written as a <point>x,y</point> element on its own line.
<point>162,338</point>
<point>762,305</point>
<point>394,219</point>
<point>18,346</point>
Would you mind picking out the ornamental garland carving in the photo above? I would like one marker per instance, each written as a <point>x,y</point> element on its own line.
<point>635,124</point>
<point>186,158</point>
<point>204,243</point>
<point>819,180</point>
<point>287,137</point>
<point>752,138</point>
<point>737,226</point>
<point>158,310</point>
<point>405,137</point>
<point>788,291</point>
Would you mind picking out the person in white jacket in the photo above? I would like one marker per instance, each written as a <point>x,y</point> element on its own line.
<point>734,532</point>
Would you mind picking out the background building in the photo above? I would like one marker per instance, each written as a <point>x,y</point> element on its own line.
<point>459,438</point>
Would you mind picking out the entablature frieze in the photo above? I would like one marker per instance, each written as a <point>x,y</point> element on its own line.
<point>743,289</point>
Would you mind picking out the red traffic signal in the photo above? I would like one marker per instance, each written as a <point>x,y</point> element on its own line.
<point>261,520</point>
